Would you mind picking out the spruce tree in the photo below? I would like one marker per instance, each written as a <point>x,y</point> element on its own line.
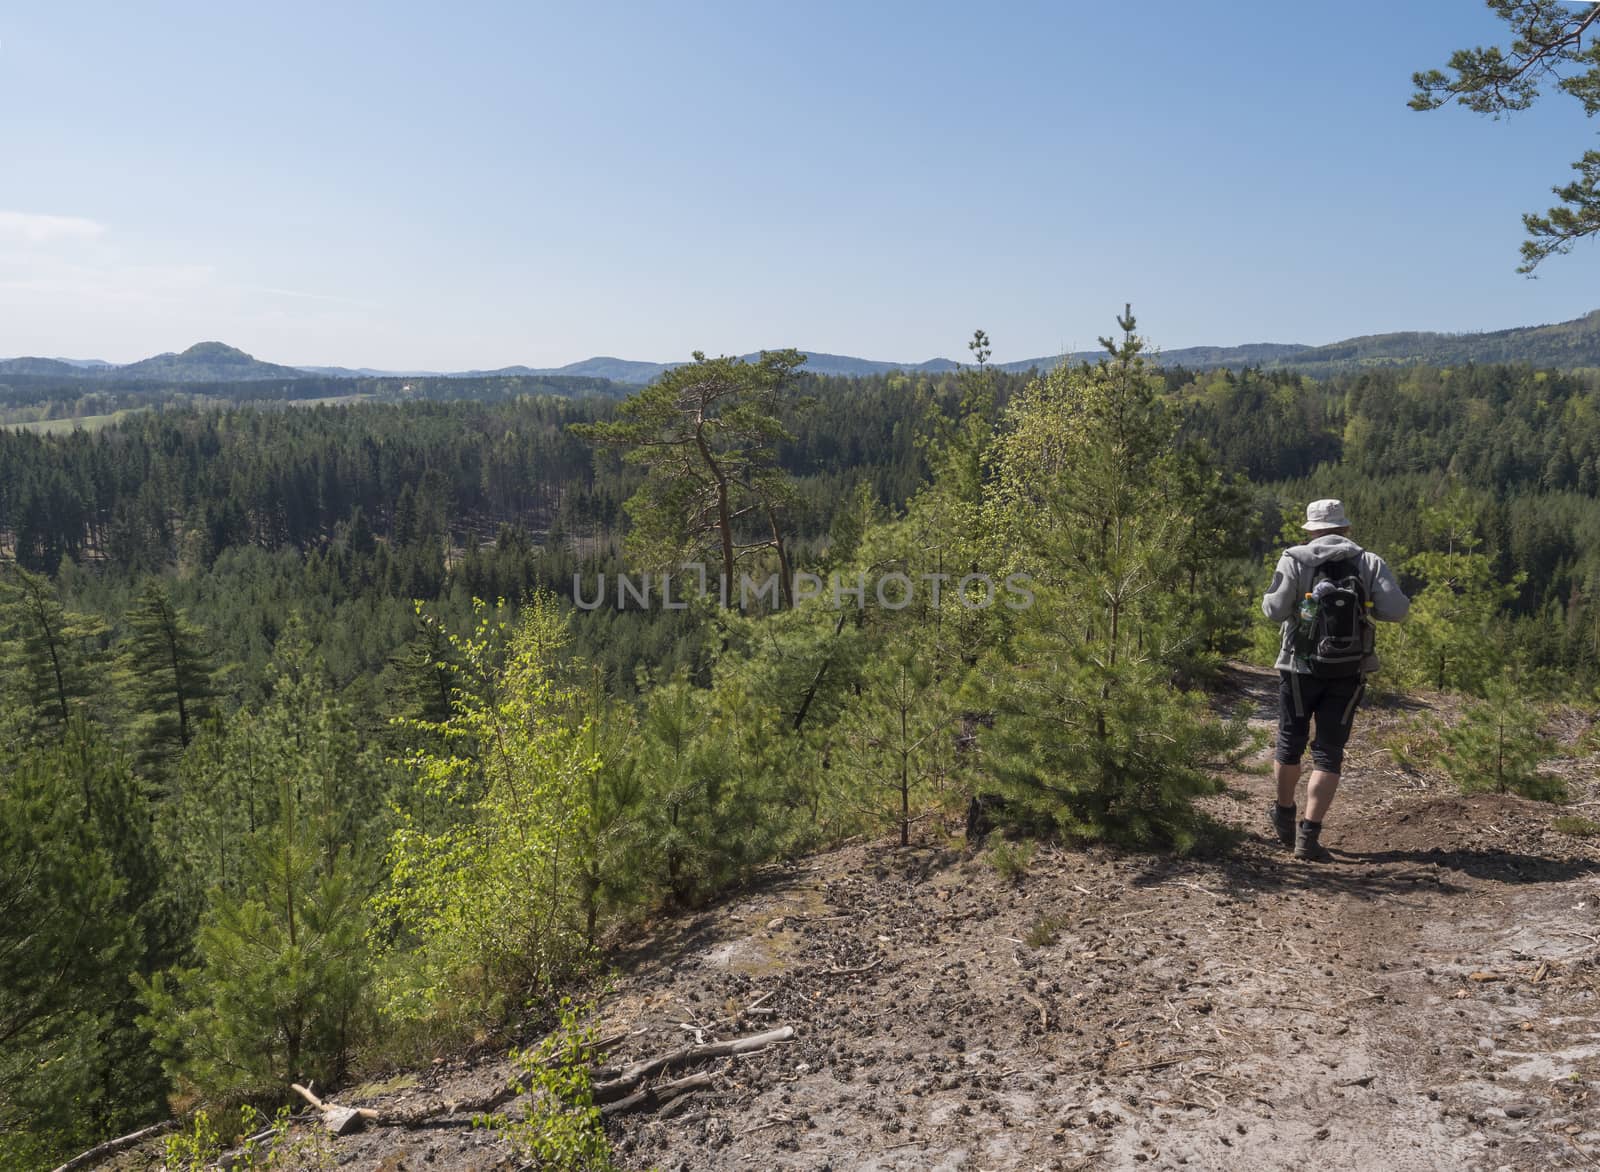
<point>48,654</point>
<point>420,679</point>
<point>167,673</point>
<point>80,915</point>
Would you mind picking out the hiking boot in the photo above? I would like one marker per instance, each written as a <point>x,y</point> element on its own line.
<point>1282,821</point>
<point>1306,844</point>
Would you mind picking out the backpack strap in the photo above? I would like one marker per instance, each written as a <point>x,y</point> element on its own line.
<point>1355,698</point>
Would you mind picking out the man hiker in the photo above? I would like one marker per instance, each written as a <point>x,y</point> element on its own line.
<point>1326,593</point>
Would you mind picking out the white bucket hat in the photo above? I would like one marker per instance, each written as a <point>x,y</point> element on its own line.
<point>1324,515</point>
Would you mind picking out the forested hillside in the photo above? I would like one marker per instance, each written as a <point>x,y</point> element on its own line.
<point>313,764</point>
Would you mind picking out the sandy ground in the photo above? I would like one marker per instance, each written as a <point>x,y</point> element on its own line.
<point>1429,1000</point>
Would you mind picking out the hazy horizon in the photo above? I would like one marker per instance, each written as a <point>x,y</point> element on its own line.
<point>391,189</point>
<point>964,357</point>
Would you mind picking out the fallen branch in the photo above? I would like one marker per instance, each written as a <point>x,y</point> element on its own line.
<point>774,1121</point>
<point>243,1150</point>
<point>600,1046</point>
<point>448,1112</point>
<point>762,1000</point>
<point>1222,895</point>
<point>618,1095</point>
<point>866,968</point>
<point>112,1146</point>
<point>632,1076</point>
<point>322,1105</point>
<point>1161,1063</point>
<point>652,1097</point>
<point>339,1120</point>
<point>1044,1016</point>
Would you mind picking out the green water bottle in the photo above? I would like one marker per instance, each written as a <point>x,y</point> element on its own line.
<point>1307,625</point>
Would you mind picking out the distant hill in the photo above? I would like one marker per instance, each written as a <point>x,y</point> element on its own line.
<point>42,366</point>
<point>841,364</point>
<point>200,363</point>
<point>1563,345</point>
<point>204,362</point>
<point>367,372</point>
<point>619,370</point>
<point>624,370</point>
<point>1238,357</point>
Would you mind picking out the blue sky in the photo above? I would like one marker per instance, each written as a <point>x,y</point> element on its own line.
<point>475,185</point>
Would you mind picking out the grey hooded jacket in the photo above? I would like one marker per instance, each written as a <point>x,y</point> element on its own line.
<point>1292,580</point>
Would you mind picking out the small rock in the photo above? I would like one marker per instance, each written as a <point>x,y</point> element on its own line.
<point>342,1120</point>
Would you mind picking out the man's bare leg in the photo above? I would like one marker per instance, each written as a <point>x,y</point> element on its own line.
<point>1319,793</point>
<point>1288,777</point>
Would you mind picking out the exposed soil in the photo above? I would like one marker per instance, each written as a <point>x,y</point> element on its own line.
<point>1429,1000</point>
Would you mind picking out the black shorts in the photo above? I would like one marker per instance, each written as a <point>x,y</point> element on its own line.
<point>1332,702</point>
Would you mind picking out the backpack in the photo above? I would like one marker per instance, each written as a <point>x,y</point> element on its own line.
<point>1333,632</point>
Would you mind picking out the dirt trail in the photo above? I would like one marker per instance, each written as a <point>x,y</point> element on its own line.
<point>1430,1000</point>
